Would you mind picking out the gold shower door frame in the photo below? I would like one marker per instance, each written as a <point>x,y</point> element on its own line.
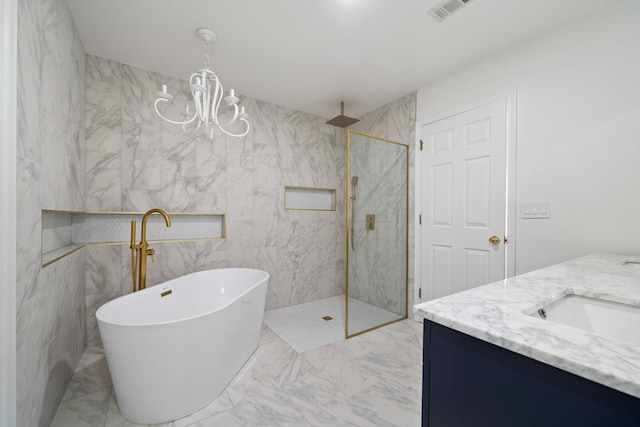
<point>348,201</point>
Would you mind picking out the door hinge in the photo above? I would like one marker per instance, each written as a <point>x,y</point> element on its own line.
<point>420,293</point>
<point>420,219</point>
<point>421,145</point>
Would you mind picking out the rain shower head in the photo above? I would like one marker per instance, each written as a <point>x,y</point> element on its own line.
<point>342,121</point>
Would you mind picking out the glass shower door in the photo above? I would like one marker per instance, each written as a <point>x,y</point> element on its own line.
<point>377,232</point>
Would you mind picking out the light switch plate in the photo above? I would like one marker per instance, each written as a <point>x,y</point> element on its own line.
<point>535,210</point>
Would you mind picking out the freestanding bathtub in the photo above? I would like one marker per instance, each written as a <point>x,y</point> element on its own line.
<point>174,347</point>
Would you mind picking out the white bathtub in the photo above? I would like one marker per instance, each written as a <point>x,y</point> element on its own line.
<point>172,355</point>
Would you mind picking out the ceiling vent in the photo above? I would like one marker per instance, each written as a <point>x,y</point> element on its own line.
<point>443,10</point>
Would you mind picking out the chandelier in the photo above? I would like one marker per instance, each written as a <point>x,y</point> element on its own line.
<point>208,94</point>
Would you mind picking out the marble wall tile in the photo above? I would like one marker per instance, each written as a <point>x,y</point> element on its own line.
<point>266,121</point>
<point>102,278</point>
<point>210,254</point>
<point>211,202</point>
<point>141,156</point>
<point>267,260</point>
<point>174,259</point>
<point>176,146</point>
<point>30,371</point>
<point>178,186</point>
<point>29,81</point>
<point>265,226</point>
<point>62,100</point>
<point>240,151</point>
<point>211,168</point>
<point>103,181</point>
<point>239,194</point>
<point>134,200</point>
<point>138,89</point>
<point>103,120</point>
<point>28,233</point>
<point>239,249</point>
<point>50,174</point>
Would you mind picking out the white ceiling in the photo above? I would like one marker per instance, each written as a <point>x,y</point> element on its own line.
<point>309,55</point>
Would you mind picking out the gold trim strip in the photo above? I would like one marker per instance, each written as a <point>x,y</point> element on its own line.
<point>83,245</point>
<point>378,327</point>
<point>376,137</point>
<point>48,263</point>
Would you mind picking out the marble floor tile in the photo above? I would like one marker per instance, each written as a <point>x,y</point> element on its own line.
<point>373,379</point>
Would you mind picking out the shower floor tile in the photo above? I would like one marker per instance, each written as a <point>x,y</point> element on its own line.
<point>303,326</point>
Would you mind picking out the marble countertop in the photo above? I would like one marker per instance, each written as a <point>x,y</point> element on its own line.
<point>499,313</point>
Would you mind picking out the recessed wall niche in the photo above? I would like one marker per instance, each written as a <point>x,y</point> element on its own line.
<point>310,198</point>
<point>64,232</point>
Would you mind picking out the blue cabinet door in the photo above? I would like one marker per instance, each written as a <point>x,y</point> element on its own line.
<point>469,382</point>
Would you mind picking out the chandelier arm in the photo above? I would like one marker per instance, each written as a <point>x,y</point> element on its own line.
<point>199,123</point>
<point>246,131</point>
<point>215,101</point>
<point>206,100</point>
<point>206,96</point>
<point>197,100</point>
<point>195,128</point>
<point>234,118</point>
<point>185,122</point>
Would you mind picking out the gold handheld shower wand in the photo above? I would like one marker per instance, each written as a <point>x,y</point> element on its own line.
<point>354,183</point>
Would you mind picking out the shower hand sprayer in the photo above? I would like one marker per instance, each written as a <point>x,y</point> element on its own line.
<point>354,183</point>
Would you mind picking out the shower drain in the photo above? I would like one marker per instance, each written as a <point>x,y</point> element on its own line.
<point>327,318</point>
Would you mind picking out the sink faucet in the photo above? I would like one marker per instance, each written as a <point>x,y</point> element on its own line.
<point>139,252</point>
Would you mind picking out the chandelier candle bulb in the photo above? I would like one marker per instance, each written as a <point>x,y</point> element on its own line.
<point>163,93</point>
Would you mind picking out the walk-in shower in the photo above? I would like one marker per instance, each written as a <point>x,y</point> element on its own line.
<point>377,228</point>
<point>376,213</point>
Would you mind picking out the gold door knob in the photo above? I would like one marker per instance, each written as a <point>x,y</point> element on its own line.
<point>494,240</point>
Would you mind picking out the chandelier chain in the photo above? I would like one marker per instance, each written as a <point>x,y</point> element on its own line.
<point>206,54</point>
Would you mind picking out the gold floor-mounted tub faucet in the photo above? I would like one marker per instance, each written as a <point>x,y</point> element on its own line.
<point>140,251</point>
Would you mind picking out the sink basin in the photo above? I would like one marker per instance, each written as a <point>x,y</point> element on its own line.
<point>607,318</point>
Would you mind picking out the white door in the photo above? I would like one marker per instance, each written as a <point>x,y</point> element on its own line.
<point>463,200</point>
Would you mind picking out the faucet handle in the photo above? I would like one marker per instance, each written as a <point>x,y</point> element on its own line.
<point>151,252</point>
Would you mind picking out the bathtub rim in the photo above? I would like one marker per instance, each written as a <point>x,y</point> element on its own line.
<point>101,319</point>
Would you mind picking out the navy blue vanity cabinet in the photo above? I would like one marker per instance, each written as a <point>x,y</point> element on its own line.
<point>470,382</point>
